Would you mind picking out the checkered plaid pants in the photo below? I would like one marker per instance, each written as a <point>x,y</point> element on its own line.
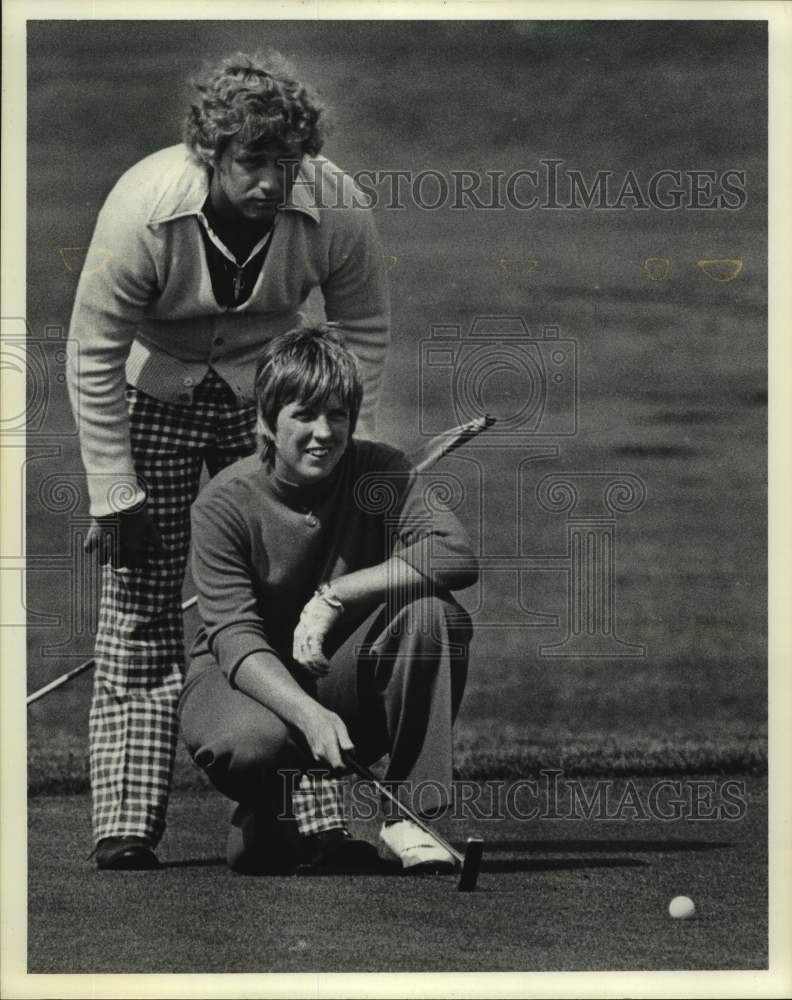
<point>318,804</point>
<point>140,641</point>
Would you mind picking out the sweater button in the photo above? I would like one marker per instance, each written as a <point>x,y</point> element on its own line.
<point>189,381</point>
<point>311,521</point>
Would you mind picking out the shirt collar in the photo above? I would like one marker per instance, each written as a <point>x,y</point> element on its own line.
<point>185,195</point>
<point>306,498</point>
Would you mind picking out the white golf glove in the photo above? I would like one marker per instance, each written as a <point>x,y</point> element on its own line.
<point>316,619</point>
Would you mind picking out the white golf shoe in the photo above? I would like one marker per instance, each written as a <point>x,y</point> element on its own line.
<point>416,850</point>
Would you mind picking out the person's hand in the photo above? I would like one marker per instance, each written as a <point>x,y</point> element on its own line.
<point>327,737</point>
<point>316,619</point>
<point>125,540</point>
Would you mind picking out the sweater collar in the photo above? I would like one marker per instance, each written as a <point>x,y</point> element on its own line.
<point>305,498</point>
<point>186,193</point>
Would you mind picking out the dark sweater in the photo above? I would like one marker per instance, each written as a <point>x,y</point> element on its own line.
<point>261,546</point>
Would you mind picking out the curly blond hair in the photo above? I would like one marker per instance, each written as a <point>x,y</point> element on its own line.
<point>256,100</point>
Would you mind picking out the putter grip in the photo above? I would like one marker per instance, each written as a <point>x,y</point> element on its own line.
<point>353,765</point>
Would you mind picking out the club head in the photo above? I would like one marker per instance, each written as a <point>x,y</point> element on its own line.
<point>471,865</point>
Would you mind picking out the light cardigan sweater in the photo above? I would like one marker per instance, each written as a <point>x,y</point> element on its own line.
<point>145,312</point>
<point>262,546</point>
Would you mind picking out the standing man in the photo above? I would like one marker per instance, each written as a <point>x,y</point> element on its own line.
<point>202,253</point>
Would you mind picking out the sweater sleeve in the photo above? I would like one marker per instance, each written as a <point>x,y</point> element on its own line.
<point>221,568</point>
<point>428,535</point>
<point>356,300</point>
<point>117,282</point>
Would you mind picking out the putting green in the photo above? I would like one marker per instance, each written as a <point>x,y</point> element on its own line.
<point>553,894</point>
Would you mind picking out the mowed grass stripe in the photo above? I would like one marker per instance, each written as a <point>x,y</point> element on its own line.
<point>63,769</point>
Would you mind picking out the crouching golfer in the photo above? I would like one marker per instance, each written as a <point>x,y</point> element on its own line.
<point>324,586</point>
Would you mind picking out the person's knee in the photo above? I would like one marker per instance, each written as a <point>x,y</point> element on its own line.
<point>439,619</point>
<point>155,630</point>
<point>242,763</point>
<point>144,605</point>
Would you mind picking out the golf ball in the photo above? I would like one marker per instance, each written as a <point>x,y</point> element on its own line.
<point>681,908</point>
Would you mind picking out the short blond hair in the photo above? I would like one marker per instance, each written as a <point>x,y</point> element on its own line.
<point>306,365</point>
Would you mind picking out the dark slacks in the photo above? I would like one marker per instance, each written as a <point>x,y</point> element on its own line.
<point>397,682</point>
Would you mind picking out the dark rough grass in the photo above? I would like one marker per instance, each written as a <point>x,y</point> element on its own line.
<point>603,756</point>
<point>59,765</point>
<point>553,895</point>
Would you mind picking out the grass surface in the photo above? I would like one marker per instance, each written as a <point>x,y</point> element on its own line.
<point>59,765</point>
<point>553,894</point>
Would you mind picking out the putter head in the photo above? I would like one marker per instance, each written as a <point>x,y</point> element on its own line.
<point>471,865</point>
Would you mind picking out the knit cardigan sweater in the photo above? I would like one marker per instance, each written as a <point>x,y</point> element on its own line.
<point>145,312</point>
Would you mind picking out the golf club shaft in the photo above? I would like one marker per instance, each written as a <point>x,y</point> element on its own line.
<point>436,449</point>
<point>449,441</point>
<point>363,772</point>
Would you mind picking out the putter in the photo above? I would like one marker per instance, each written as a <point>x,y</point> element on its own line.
<point>470,861</point>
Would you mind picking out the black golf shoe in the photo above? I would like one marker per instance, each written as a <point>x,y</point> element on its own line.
<point>125,854</point>
<point>336,852</point>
